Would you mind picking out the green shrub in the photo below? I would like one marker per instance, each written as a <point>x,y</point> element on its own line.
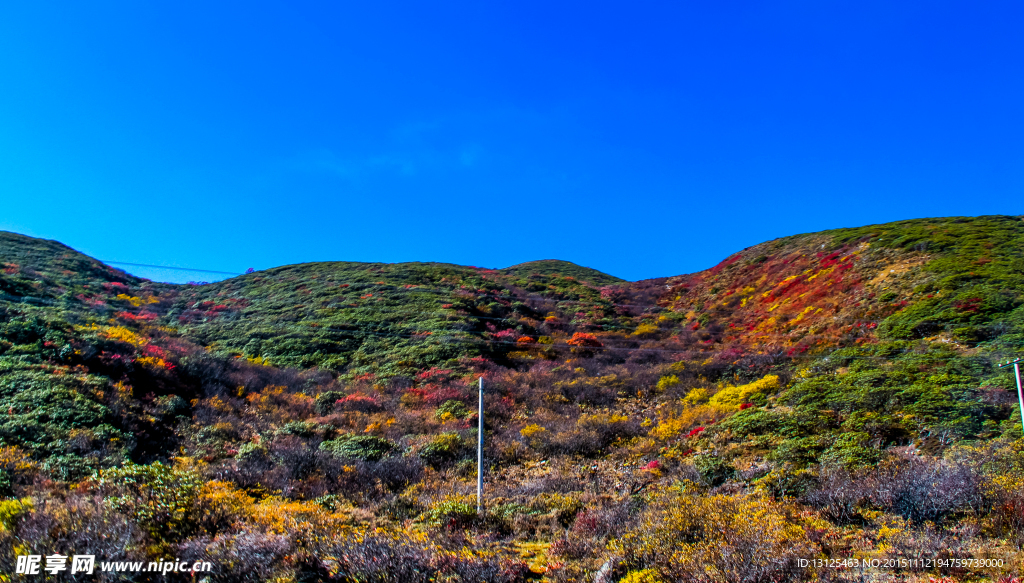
<point>712,469</point>
<point>851,451</point>
<point>452,512</point>
<point>452,408</point>
<point>799,451</point>
<point>249,452</point>
<point>324,403</point>
<point>364,447</point>
<point>303,429</point>
<point>442,448</point>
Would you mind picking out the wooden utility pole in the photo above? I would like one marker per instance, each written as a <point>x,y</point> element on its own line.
<point>480,454</point>
<point>1020,393</point>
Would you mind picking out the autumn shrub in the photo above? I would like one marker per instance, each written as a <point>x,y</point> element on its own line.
<point>592,527</point>
<point>246,556</point>
<point>1001,466</point>
<point>642,576</point>
<point>607,427</point>
<point>396,472</point>
<point>916,488</point>
<point>382,558</point>
<point>160,498</point>
<point>81,522</point>
<point>359,402</point>
<point>597,391</point>
<point>11,511</point>
<point>680,420</point>
<point>922,489</point>
<point>786,482</point>
<point>564,507</point>
<point>17,468</point>
<point>667,382</point>
<point>742,537</point>
<point>898,537</point>
<point>392,557</point>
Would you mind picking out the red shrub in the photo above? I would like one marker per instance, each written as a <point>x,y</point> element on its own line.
<point>584,339</point>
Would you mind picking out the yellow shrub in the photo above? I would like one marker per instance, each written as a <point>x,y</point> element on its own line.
<point>600,420</point>
<point>259,360</point>
<point>717,538</point>
<point>667,382</point>
<point>220,504</point>
<point>11,511</point>
<point>682,421</point>
<point>643,576</point>
<point>152,362</point>
<point>134,301</point>
<point>124,335</point>
<point>696,397</point>
<point>13,458</point>
<point>531,430</point>
<point>645,328</point>
<point>736,396</point>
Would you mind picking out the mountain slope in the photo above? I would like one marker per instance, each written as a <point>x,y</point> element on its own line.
<point>822,395</point>
<point>958,277</point>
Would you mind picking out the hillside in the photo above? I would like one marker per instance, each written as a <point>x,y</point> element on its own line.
<point>822,395</point>
<point>563,268</point>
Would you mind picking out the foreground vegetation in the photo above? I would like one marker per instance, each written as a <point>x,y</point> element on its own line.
<point>831,396</point>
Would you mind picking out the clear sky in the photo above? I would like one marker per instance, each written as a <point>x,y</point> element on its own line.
<point>643,139</point>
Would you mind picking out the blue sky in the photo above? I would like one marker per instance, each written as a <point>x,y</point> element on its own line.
<point>642,139</point>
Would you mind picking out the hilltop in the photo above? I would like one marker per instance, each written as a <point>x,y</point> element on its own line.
<point>825,394</point>
<point>564,269</point>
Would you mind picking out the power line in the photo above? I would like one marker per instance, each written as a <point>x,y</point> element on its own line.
<point>169,267</point>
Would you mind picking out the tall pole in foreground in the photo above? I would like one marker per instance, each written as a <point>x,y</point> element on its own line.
<point>1020,393</point>
<point>480,452</point>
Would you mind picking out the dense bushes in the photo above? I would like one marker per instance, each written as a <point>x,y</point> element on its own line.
<point>728,538</point>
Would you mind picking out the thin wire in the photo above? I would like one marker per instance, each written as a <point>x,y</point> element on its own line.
<point>169,267</point>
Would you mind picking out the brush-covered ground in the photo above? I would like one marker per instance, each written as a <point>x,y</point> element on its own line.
<point>808,405</point>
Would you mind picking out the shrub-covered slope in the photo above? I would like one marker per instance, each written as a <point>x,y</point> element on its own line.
<point>958,278</point>
<point>384,318</point>
<point>563,268</point>
<point>826,395</point>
